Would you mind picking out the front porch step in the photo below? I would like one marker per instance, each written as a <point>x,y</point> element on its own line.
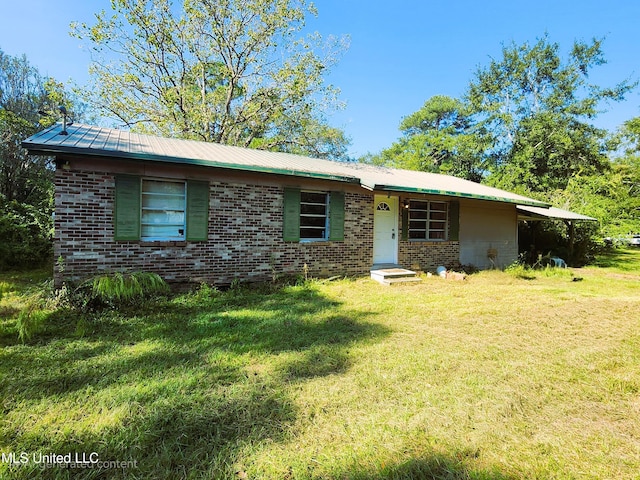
<point>391,275</point>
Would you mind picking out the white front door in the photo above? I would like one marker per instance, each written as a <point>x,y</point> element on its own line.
<point>385,229</point>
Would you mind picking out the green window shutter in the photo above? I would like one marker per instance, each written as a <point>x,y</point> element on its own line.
<point>291,215</point>
<point>336,216</point>
<point>454,221</point>
<point>405,223</point>
<point>197,211</point>
<point>127,208</point>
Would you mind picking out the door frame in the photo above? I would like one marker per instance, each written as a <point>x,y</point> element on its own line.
<point>391,257</point>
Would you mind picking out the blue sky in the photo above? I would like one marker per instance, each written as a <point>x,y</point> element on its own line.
<point>401,53</point>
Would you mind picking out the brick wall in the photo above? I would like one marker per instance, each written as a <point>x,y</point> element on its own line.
<point>244,241</point>
<point>428,256</point>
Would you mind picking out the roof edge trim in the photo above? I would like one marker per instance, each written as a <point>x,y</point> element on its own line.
<point>450,193</point>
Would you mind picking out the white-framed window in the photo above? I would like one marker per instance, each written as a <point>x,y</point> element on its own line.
<point>428,220</point>
<point>163,215</point>
<point>314,215</point>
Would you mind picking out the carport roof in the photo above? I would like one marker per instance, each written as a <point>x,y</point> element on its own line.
<point>107,142</point>
<point>537,213</point>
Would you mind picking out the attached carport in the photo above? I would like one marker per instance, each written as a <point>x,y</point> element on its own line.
<point>527,213</point>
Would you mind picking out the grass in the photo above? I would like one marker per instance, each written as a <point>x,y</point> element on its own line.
<point>497,377</point>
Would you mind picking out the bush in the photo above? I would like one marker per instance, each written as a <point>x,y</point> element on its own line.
<point>26,236</point>
<point>118,289</point>
<point>551,238</point>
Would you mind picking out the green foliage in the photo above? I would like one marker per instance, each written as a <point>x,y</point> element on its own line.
<point>630,133</point>
<point>548,150</point>
<point>36,306</point>
<point>614,199</point>
<point>521,270</point>
<point>30,322</point>
<point>28,103</point>
<point>438,138</point>
<point>525,124</point>
<point>538,106</point>
<point>26,232</point>
<point>225,71</point>
<point>124,288</point>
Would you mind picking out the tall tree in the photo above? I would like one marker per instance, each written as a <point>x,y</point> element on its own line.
<point>26,182</point>
<point>229,71</point>
<point>23,92</point>
<point>438,138</point>
<point>539,109</point>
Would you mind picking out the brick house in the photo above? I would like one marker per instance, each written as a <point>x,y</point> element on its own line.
<point>194,211</point>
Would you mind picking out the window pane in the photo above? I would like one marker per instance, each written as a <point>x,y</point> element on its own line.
<point>162,217</point>
<point>313,197</point>
<point>312,233</point>
<point>159,201</point>
<point>320,222</point>
<point>313,215</point>
<point>163,210</point>
<point>313,209</point>
<point>158,186</point>
<point>418,214</point>
<point>163,231</point>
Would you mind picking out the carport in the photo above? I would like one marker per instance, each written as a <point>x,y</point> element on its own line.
<point>527,213</point>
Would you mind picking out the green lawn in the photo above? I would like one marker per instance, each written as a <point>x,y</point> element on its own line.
<point>497,377</point>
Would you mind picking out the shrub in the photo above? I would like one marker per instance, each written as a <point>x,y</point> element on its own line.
<point>26,234</point>
<point>119,288</point>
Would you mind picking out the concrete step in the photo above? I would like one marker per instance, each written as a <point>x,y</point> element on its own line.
<point>393,275</point>
<point>395,281</point>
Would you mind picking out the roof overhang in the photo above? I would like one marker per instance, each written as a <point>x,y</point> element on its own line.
<point>55,149</point>
<point>527,212</point>
<point>93,141</point>
<point>452,193</point>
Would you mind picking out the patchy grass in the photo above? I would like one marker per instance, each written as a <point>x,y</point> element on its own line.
<point>497,377</point>
<point>620,260</point>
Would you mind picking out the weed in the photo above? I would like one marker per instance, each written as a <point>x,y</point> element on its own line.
<point>521,271</point>
<point>121,288</point>
<point>30,322</point>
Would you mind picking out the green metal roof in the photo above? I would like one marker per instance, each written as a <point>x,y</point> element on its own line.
<point>105,142</point>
